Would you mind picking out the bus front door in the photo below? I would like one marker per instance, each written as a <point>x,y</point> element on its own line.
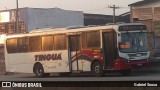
<point>2,59</point>
<point>109,48</point>
<point>74,53</point>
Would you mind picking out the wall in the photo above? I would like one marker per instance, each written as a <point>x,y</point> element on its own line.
<point>97,19</point>
<point>153,4</point>
<point>54,17</point>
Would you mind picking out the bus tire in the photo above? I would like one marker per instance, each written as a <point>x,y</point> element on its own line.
<point>97,69</point>
<point>38,70</point>
<point>125,72</point>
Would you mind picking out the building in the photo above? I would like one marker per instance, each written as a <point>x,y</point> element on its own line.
<point>148,12</point>
<point>125,17</point>
<point>34,18</point>
<point>97,19</point>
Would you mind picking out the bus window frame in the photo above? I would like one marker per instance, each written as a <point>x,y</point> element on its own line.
<point>8,51</point>
<point>26,44</point>
<point>84,42</point>
<point>39,44</point>
<point>52,42</point>
<point>66,42</point>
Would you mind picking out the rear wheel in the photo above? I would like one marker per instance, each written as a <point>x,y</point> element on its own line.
<point>39,71</point>
<point>97,69</point>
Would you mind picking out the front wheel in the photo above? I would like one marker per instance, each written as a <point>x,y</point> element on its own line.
<point>97,69</point>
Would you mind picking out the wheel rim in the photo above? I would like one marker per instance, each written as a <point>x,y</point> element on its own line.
<point>39,71</point>
<point>97,69</point>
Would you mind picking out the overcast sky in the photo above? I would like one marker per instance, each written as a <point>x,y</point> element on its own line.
<point>87,6</point>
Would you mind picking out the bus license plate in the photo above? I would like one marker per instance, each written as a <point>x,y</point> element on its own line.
<point>139,64</point>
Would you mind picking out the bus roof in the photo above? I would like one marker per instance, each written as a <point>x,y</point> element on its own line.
<point>52,30</point>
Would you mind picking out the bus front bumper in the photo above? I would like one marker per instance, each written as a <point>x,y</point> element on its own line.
<point>139,63</point>
<point>126,65</point>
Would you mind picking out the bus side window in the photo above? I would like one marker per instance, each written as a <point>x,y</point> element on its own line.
<point>35,44</point>
<point>60,42</point>
<point>91,39</point>
<point>23,44</point>
<point>12,45</point>
<point>47,43</point>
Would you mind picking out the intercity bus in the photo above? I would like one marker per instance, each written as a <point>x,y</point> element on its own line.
<point>95,49</point>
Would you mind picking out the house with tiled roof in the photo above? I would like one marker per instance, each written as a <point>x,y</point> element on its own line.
<point>145,3</point>
<point>148,12</point>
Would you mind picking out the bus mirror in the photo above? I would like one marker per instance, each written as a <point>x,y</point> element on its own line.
<point>123,45</point>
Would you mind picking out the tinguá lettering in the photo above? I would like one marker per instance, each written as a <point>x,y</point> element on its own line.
<point>48,57</point>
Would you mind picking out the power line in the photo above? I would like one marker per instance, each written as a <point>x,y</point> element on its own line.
<point>95,9</point>
<point>17,18</point>
<point>91,10</point>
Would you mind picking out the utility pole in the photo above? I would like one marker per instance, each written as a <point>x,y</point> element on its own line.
<point>17,18</point>
<point>114,11</point>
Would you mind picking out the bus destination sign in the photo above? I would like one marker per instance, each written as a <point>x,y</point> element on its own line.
<point>132,27</point>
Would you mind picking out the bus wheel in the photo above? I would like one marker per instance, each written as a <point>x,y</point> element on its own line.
<point>97,69</point>
<point>125,72</point>
<point>39,71</point>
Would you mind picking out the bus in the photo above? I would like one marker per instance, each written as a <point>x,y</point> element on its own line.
<point>95,49</point>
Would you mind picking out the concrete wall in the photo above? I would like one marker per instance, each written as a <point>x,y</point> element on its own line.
<point>54,17</point>
<point>44,18</point>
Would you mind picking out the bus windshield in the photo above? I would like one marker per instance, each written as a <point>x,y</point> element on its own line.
<point>137,42</point>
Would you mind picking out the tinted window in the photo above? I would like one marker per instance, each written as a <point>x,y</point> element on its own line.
<point>60,42</point>
<point>12,45</point>
<point>91,39</point>
<point>74,43</point>
<point>35,44</point>
<point>23,44</point>
<point>47,43</point>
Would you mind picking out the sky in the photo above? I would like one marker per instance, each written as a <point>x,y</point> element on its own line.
<point>87,6</point>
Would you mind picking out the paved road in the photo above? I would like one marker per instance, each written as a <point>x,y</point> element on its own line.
<point>148,74</point>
